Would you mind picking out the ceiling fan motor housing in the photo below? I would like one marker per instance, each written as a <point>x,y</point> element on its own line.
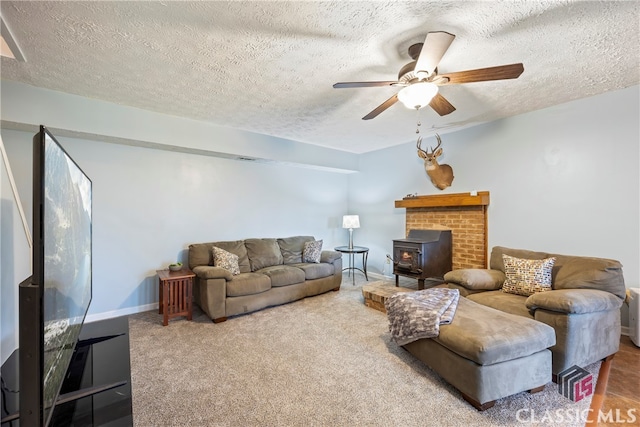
<point>414,50</point>
<point>406,73</point>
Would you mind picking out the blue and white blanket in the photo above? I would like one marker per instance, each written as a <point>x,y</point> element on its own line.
<point>416,315</point>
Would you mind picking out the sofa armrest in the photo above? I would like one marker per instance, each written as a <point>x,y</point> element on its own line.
<point>330,256</point>
<point>574,301</point>
<point>208,272</point>
<point>476,279</point>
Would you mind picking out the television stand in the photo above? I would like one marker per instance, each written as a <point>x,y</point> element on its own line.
<point>97,386</point>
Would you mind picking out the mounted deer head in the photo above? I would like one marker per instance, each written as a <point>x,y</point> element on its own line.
<point>441,175</point>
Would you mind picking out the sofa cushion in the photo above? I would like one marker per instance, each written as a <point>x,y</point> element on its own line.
<point>248,284</point>
<point>476,278</point>
<point>291,248</point>
<point>236,247</point>
<point>312,251</point>
<point>509,303</point>
<point>489,336</point>
<point>263,253</point>
<point>283,275</point>
<point>200,254</point>
<point>226,260</point>
<point>315,271</point>
<point>496,261</point>
<point>603,274</point>
<point>527,276</point>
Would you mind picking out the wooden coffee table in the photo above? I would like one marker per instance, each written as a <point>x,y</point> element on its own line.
<point>376,293</point>
<point>176,294</point>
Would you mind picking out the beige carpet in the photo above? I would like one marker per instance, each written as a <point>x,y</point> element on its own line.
<point>323,361</point>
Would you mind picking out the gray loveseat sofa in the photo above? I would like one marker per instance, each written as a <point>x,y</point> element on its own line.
<point>271,272</point>
<point>583,306</point>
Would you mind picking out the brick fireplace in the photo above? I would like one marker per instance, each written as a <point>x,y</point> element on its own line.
<point>462,213</point>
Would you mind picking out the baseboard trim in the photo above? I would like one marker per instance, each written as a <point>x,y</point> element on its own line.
<point>154,306</point>
<point>380,276</point>
<point>122,312</point>
<point>625,331</point>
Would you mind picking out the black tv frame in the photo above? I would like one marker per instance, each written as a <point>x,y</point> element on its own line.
<point>33,410</point>
<point>36,409</point>
<point>43,365</point>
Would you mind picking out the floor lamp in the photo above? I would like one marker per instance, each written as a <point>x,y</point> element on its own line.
<point>350,222</point>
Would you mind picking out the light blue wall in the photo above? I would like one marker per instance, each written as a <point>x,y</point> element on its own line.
<point>148,205</point>
<point>15,256</point>
<point>563,179</point>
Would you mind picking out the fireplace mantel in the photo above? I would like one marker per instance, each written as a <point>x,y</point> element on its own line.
<point>445,200</point>
<point>465,215</point>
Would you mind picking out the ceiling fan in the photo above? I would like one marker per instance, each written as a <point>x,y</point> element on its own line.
<point>420,79</point>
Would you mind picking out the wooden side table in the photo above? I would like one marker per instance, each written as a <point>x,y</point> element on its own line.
<point>176,294</point>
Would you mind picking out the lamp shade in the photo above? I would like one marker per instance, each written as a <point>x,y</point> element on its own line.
<point>418,95</point>
<point>350,221</point>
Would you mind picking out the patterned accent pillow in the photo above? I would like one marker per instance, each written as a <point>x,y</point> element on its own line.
<point>226,260</point>
<point>527,276</point>
<point>312,251</point>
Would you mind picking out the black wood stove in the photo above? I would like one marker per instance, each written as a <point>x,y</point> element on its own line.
<point>424,254</point>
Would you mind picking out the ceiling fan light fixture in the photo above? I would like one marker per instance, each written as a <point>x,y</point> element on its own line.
<point>418,95</point>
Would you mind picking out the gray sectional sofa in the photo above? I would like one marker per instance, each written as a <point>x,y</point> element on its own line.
<point>506,338</point>
<point>583,306</point>
<point>270,272</point>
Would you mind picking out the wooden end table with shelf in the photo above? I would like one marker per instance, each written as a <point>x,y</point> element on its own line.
<point>176,294</point>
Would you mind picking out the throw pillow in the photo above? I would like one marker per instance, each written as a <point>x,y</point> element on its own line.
<point>312,251</point>
<point>235,247</point>
<point>226,260</point>
<point>527,276</point>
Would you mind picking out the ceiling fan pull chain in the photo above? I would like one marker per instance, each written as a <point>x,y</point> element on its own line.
<point>418,120</point>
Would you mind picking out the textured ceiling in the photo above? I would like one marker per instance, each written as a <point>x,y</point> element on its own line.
<point>269,67</point>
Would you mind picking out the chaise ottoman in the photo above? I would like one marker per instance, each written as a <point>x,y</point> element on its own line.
<point>488,354</point>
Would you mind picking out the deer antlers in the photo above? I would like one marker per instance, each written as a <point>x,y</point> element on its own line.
<point>425,154</point>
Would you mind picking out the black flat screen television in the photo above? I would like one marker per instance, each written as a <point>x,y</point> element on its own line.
<point>53,303</point>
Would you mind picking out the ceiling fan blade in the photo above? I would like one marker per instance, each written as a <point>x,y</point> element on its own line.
<point>441,106</point>
<point>343,85</point>
<point>501,72</point>
<point>435,45</point>
<point>380,108</point>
